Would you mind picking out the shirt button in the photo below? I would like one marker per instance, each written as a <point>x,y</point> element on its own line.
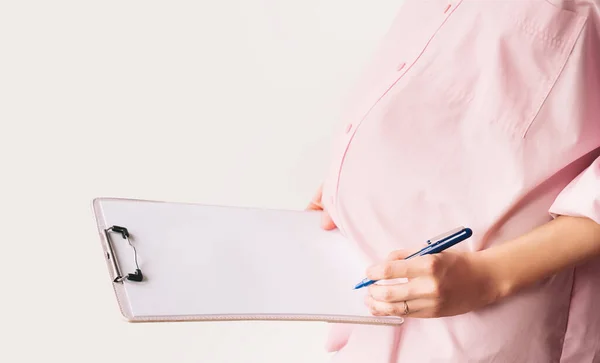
<point>401,66</point>
<point>348,128</point>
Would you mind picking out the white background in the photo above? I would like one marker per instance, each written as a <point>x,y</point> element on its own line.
<point>226,102</point>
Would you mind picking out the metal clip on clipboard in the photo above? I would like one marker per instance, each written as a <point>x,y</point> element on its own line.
<point>137,276</point>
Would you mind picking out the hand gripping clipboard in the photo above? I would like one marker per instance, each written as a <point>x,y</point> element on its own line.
<point>193,262</point>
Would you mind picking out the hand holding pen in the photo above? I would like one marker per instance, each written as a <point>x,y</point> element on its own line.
<point>439,284</point>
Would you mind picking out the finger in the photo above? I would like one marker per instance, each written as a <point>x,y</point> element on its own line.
<point>416,308</point>
<point>418,288</point>
<point>315,203</point>
<point>314,206</point>
<point>424,309</point>
<point>398,255</point>
<point>326,222</point>
<point>391,294</point>
<point>414,267</point>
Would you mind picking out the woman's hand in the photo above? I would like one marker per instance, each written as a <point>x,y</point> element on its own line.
<point>452,283</point>
<point>316,204</point>
<point>444,284</point>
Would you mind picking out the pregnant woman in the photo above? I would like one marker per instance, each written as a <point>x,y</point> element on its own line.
<point>483,114</point>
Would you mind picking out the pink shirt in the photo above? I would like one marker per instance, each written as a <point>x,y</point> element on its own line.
<point>484,114</point>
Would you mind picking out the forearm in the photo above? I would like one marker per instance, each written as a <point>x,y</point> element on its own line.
<point>562,243</point>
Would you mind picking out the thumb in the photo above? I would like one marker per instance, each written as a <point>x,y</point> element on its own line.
<point>326,222</point>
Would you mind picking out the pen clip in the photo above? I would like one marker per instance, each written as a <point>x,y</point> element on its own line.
<point>443,236</point>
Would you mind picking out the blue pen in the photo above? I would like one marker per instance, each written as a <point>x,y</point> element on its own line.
<point>434,245</point>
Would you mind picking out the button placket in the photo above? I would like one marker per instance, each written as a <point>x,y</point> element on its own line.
<point>348,128</point>
<point>374,97</point>
<point>452,5</point>
<point>351,128</point>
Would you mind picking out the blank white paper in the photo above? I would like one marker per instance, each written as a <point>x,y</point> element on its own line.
<point>215,260</point>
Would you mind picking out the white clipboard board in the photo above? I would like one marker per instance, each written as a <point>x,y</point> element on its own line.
<point>192,262</point>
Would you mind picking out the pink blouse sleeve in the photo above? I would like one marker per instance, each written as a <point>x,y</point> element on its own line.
<point>581,197</point>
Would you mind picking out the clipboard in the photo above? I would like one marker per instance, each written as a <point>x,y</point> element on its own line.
<point>174,262</point>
